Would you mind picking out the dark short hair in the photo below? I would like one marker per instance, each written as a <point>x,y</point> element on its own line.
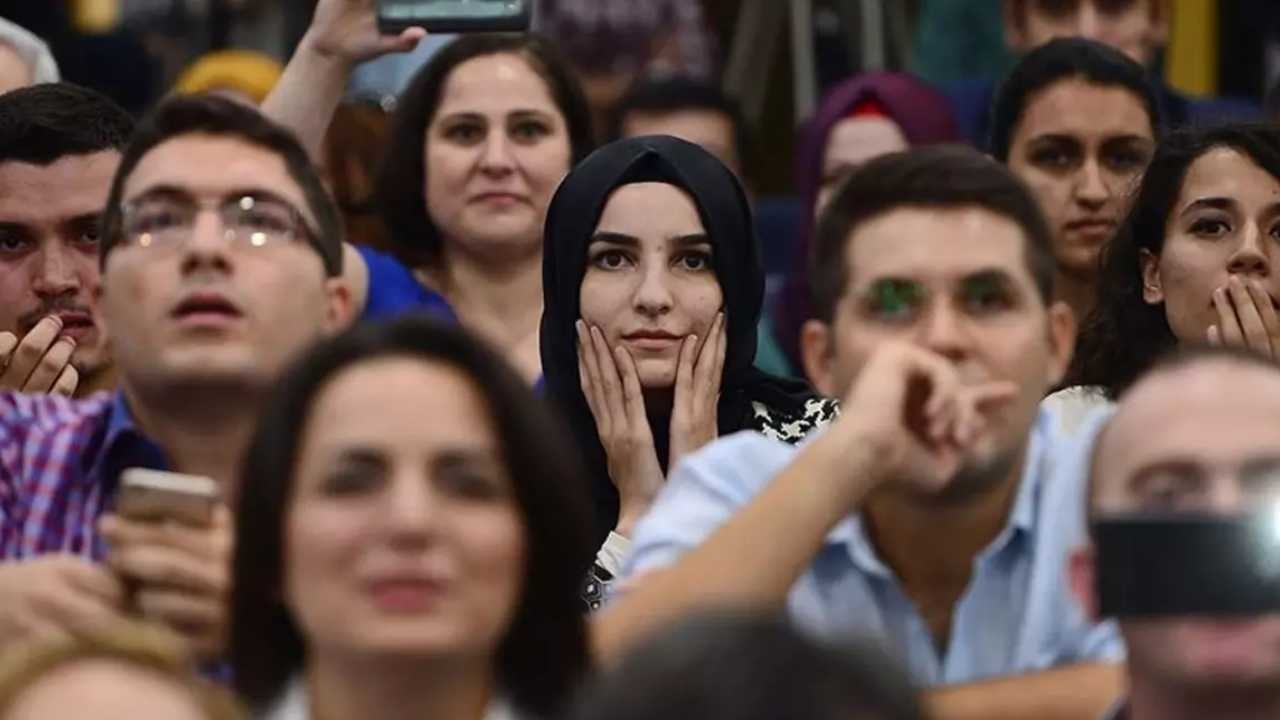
<point>1125,335</point>
<point>939,176</point>
<point>670,94</point>
<point>544,651</point>
<point>1065,59</point>
<point>402,179</point>
<point>212,115</point>
<point>735,666</point>
<point>41,124</point>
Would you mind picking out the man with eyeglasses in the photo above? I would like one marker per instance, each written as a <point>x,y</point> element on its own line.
<point>221,259</point>
<point>1184,496</point>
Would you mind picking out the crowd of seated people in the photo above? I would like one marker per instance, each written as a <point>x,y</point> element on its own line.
<point>312,411</point>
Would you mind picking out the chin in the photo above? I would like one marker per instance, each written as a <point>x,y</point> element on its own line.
<point>424,638</point>
<point>657,374</point>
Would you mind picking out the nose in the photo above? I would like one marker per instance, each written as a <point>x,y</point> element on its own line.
<point>410,510</point>
<point>943,332</point>
<point>1250,256</point>
<point>55,275</point>
<point>207,247</point>
<point>496,158</point>
<point>653,296</point>
<point>1091,187</point>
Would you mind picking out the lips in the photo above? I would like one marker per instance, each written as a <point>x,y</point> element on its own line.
<point>652,340</point>
<point>406,593</point>
<point>206,307</point>
<point>1092,226</point>
<point>497,196</point>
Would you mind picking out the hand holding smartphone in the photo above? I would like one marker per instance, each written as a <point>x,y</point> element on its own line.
<point>455,16</point>
<point>153,496</point>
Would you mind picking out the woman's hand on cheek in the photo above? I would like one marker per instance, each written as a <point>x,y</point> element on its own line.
<point>1247,318</point>
<point>612,388</point>
<point>697,393</point>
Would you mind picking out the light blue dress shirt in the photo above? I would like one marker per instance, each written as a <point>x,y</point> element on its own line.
<point>1016,616</point>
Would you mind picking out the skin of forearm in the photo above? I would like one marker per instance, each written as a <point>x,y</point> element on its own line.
<point>1077,692</point>
<point>759,553</point>
<point>307,95</point>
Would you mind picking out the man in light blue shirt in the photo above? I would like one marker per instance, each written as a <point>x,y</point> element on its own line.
<point>939,511</point>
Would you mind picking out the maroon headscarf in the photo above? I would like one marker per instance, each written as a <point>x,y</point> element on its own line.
<point>922,113</point>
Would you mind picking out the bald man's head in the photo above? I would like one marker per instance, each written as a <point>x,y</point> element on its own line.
<point>1197,433</point>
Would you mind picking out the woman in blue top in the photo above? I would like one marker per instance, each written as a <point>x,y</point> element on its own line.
<point>482,137</point>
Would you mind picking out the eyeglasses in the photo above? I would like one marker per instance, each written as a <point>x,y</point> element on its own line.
<point>168,221</point>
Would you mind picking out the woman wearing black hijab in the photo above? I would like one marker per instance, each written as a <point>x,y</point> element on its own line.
<point>653,285</point>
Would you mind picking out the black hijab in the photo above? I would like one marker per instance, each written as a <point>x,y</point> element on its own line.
<point>571,223</point>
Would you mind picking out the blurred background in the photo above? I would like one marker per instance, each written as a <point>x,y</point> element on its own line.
<point>774,56</point>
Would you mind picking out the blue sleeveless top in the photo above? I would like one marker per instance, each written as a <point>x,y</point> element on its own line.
<point>393,290</point>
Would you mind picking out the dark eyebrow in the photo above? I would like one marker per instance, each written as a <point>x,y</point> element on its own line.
<point>991,275</point>
<point>614,238</point>
<point>176,192</point>
<point>1056,138</point>
<point>1127,140</point>
<point>684,241</point>
<point>1210,203</point>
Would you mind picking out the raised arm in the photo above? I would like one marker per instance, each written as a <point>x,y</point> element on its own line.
<point>342,34</point>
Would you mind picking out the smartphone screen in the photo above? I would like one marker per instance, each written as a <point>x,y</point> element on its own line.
<point>455,15</point>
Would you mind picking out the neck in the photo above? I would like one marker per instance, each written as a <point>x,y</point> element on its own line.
<point>1077,291</point>
<point>899,524</point>
<point>203,431</point>
<point>104,378</point>
<point>398,689</point>
<point>1153,701</point>
<point>498,299</point>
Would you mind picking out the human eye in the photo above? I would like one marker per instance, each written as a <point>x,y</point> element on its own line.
<point>529,131</point>
<point>465,132</point>
<point>265,216</point>
<point>1127,160</point>
<point>610,259</point>
<point>13,242</point>
<point>1210,227</point>
<point>1054,157</point>
<point>156,217</point>
<point>351,480</point>
<point>986,296</point>
<point>470,482</point>
<point>694,261</point>
<point>895,301</point>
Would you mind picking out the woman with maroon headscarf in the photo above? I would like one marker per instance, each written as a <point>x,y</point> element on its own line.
<point>859,119</point>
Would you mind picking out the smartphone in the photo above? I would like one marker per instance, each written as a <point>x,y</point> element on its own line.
<point>455,16</point>
<point>152,495</point>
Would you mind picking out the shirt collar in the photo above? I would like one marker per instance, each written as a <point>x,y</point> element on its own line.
<point>851,534</point>
<point>124,445</point>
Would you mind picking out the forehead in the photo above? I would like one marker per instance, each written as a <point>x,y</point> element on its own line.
<point>1059,8</point>
<point>1077,108</point>
<point>928,243</point>
<point>1226,172</point>
<point>214,165</point>
<point>650,209</point>
<point>401,400</point>
<point>69,187</point>
<point>1219,411</point>
<point>855,140</point>
<point>495,84</point>
<point>692,124</point>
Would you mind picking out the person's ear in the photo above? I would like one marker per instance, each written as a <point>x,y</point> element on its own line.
<point>1152,286</point>
<point>339,308</point>
<point>1014,13</point>
<point>817,354</point>
<point>1062,329</point>
<point>1081,577</point>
